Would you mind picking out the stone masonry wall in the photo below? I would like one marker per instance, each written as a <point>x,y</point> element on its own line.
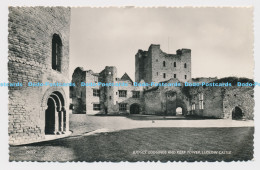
<point>90,98</point>
<point>153,104</point>
<point>143,66</point>
<point>152,65</point>
<point>212,101</point>
<point>242,97</point>
<point>109,96</point>
<point>219,102</point>
<point>78,93</point>
<point>30,49</point>
<point>156,100</point>
<point>129,99</point>
<point>159,69</point>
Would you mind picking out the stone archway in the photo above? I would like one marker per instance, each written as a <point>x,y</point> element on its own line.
<point>135,109</point>
<point>181,104</point>
<point>55,114</point>
<point>237,113</point>
<point>178,111</point>
<point>173,101</point>
<point>50,117</point>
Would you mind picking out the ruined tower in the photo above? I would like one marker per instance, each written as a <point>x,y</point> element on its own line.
<point>38,53</point>
<point>108,94</point>
<point>155,65</point>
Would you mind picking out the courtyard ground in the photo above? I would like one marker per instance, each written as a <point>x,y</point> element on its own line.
<point>115,138</point>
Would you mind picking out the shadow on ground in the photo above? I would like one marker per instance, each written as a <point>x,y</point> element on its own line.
<point>149,143</point>
<point>178,117</point>
<point>156,117</point>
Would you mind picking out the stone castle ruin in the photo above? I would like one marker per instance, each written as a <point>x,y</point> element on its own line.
<point>38,52</point>
<point>154,65</point>
<point>105,99</point>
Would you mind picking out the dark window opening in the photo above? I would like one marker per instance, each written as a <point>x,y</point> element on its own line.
<point>164,64</point>
<point>185,65</point>
<point>96,92</point>
<point>174,75</point>
<point>122,106</point>
<point>136,94</point>
<point>95,79</point>
<point>164,75</point>
<point>122,93</point>
<point>56,52</point>
<point>174,64</point>
<point>96,107</point>
<point>185,76</point>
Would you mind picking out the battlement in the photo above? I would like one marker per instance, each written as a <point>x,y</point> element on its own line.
<point>183,51</point>
<point>154,46</point>
<point>155,65</point>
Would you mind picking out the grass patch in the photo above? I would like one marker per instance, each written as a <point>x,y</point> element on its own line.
<point>119,146</point>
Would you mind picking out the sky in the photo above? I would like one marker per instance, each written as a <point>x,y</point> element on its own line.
<point>220,39</point>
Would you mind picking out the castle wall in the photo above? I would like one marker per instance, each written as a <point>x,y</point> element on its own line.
<point>108,93</point>
<point>110,99</point>
<point>242,97</point>
<point>78,93</point>
<point>83,98</point>
<point>157,66</point>
<point>219,102</point>
<point>165,100</point>
<point>129,99</point>
<point>153,103</point>
<point>143,66</point>
<point>30,49</point>
<point>212,101</point>
<point>89,96</point>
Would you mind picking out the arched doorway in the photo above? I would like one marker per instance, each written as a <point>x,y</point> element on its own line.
<point>178,111</point>
<point>50,117</point>
<point>237,113</point>
<point>182,107</point>
<point>55,114</point>
<point>135,109</point>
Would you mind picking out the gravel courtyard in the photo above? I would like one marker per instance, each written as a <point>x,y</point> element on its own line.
<point>83,124</point>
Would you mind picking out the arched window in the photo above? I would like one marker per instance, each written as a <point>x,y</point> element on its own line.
<point>56,52</point>
<point>185,65</point>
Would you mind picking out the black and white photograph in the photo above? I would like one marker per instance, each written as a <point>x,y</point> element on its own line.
<point>130,84</point>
